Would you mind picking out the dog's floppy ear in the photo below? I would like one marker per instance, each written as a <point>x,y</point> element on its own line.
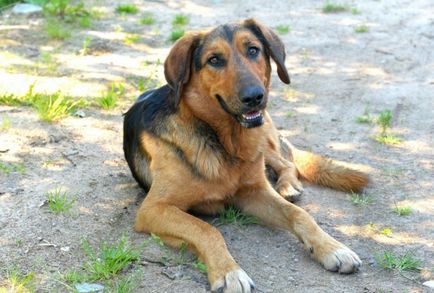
<point>273,44</point>
<point>178,64</point>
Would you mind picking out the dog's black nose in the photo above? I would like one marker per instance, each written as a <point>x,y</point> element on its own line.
<point>252,96</point>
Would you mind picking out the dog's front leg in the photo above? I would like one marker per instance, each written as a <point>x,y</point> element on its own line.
<point>265,203</point>
<point>173,224</point>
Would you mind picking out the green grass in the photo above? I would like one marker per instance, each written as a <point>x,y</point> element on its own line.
<point>355,11</point>
<point>388,139</point>
<point>7,3</point>
<point>366,118</point>
<point>180,20</point>
<point>59,201</point>
<point>106,263</point>
<point>403,210</point>
<point>57,30</point>
<point>176,34</point>
<point>361,29</point>
<point>7,168</point>
<point>361,199</point>
<point>283,29</point>
<point>127,9</point>
<point>6,124</point>
<point>109,99</point>
<point>109,260</point>
<point>50,107</point>
<point>85,46</point>
<point>132,39</point>
<point>232,215</point>
<point>384,120</point>
<point>330,7</point>
<point>386,231</point>
<point>54,107</point>
<point>407,262</point>
<point>289,114</point>
<point>17,282</point>
<point>147,19</point>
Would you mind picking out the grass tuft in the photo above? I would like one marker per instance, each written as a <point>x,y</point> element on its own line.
<point>232,215</point>
<point>361,199</point>
<point>406,262</point>
<point>12,167</point>
<point>147,19</point>
<point>403,210</point>
<point>283,29</point>
<point>109,99</point>
<point>180,20</point>
<point>6,124</point>
<point>132,39</point>
<point>127,9</point>
<point>330,7</point>
<point>109,260</point>
<point>176,34</point>
<point>17,282</point>
<point>361,29</point>
<point>59,201</point>
<point>57,30</point>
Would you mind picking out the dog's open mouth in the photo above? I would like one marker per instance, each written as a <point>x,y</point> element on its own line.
<point>251,119</point>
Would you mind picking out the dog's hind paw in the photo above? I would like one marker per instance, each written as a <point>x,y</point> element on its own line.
<point>342,260</point>
<point>236,281</point>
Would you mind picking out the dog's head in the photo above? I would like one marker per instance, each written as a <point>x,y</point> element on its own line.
<point>226,71</point>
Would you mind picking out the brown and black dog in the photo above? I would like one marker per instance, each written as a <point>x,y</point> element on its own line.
<point>203,141</point>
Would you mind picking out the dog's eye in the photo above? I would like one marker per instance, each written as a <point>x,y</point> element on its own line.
<point>253,51</point>
<point>215,61</point>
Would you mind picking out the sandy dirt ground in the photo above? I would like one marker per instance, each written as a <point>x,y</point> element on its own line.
<point>337,75</point>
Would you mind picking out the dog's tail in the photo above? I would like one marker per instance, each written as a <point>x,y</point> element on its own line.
<point>326,172</point>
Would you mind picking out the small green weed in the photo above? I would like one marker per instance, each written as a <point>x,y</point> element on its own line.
<point>17,282</point>
<point>402,210</point>
<point>127,9</point>
<point>54,107</point>
<point>232,215</point>
<point>176,34</point>
<point>330,7</point>
<point>386,231</point>
<point>132,39</point>
<point>361,199</point>
<point>384,121</point>
<point>6,124</point>
<point>361,29</point>
<point>85,46</point>
<point>59,201</point>
<point>110,259</point>
<point>366,118</point>
<point>283,29</point>
<point>57,30</point>
<point>108,100</point>
<point>127,284</point>
<point>406,262</point>
<point>289,114</point>
<point>200,266</point>
<point>355,11</point>
<point>147,19</point>
<point>12,167</point>
<point>388,139</point>
<point>180,20</point>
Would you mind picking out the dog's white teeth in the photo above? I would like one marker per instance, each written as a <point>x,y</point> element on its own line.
<point>252,116</point>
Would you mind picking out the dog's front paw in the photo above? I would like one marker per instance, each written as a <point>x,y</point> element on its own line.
<point>342,260</point>
<point>236,281</point>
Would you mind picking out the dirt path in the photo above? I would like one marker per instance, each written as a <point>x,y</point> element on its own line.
<point>337,75</point>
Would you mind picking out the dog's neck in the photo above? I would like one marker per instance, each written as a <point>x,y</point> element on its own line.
<point>241,143</point>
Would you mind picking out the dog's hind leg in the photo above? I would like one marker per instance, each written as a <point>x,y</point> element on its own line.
<point>271,208</point>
